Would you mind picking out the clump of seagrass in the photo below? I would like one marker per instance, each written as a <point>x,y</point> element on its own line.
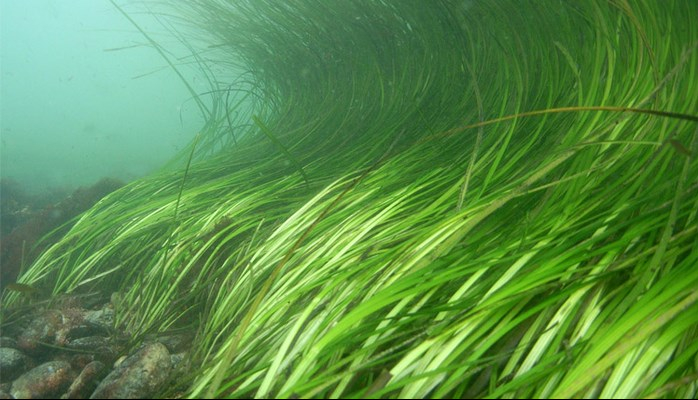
<point>530,234</point>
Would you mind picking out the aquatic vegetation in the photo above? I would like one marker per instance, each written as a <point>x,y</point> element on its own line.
<point>450,200</point>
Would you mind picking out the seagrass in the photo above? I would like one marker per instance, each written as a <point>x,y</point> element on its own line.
<point>442,199</point>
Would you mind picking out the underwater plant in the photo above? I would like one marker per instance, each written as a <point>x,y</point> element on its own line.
<point>420,199</point>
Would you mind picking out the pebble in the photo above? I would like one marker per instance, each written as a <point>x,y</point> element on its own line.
<point>92,343</point>
<point>71,326</point>
<point>175,343</point>
<point>102,318</point>
<point>80,361</point>
<point>178,360</point>
<point>12,364</point>
<point>87,381</point>
<point>71,338</point>
<point>48,380</point>
<point>138,376</point>
<point>5,388</point>
<point>41,330</point>
<point>8,342</point>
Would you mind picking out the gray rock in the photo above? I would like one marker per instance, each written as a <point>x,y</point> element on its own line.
<point>48,380</point>
<point>102,319</point>
<point>13,363</point>
<point>100,348</point>
<point>84,330</point>
<point>87,381</point>
<point>175,343</point>
<point>91,343</point>
<point>139,376</point>
<point>179,360</point>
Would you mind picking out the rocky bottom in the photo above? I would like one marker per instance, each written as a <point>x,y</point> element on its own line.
<point>68,349</point>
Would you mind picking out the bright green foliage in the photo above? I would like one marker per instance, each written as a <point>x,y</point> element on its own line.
<point>352,241</point>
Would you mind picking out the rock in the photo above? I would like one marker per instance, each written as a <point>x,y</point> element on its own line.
<point>138,376</point>
<point>5,388</point>
<point>52,327</point>
<point>102,319</point>
<point>8,342</point>
<point>100,348</point>
<point>87,381</point>
<point>48,380</point>
<point>176,343</point>
<point>72,320</point>
<point>178,360</point>
<point>80,361</point>
<point>41,330</point>
<point>91,343</point>
<point>81,331</point>
<point>13,363</point>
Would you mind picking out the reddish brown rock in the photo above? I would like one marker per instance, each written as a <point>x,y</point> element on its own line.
<point>48,380</point>
<point>87,381</point>
<point>41,330</point>
<point>51,328</point>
